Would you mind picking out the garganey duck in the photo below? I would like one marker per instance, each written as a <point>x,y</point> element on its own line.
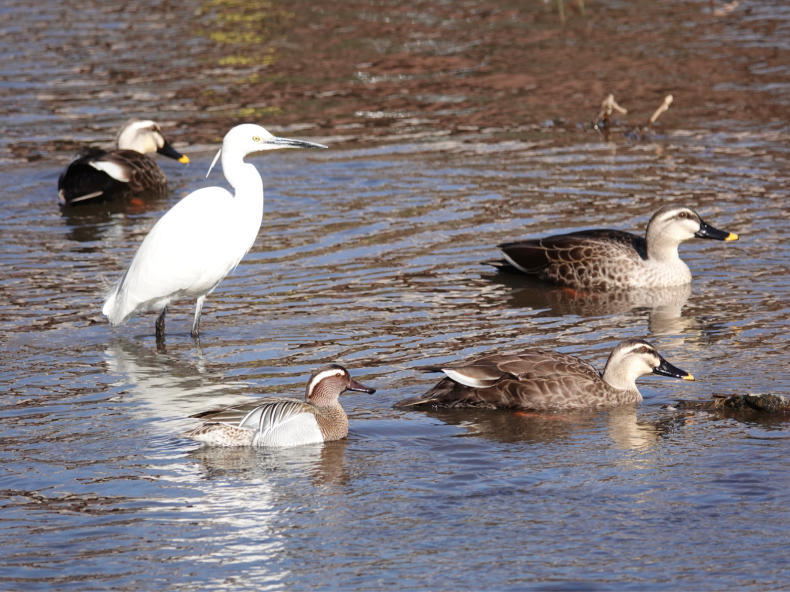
<point>283,422</point>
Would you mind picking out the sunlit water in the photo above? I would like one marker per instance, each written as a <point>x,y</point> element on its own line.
<point>372,257</point>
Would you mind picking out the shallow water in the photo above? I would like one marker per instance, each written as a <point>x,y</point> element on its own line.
<point>370,255</point>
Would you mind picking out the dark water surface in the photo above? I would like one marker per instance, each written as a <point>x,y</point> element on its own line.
<point>370,255</point>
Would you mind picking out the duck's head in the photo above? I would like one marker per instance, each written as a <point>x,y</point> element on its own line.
<point>144,136</point>
<point>249,138</point>
<point>634,358</point>
<point>672,224</point>
<point>327,384</point>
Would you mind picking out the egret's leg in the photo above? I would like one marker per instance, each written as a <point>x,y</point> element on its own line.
<point>160,325</point>
<point>196,322</point>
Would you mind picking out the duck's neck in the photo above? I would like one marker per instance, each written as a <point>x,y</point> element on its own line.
<point>619,377</point>
<point>332,421</point>
<point>661,248</point>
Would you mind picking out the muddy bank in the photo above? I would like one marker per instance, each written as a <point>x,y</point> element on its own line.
<point>356,72</point>
<point>359,72</point>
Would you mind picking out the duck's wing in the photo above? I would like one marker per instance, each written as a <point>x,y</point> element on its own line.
<point>140,171</point>
<point>283,422</point>
<point>535,379</point>
<point>82,181</point>
<point>221,434</point>
<point>568,258</point>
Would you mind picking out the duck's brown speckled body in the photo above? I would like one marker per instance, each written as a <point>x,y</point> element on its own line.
<point>545,380</point>
<point>610,259</point>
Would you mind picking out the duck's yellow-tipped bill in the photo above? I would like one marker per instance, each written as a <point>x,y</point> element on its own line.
<point>731,237</point>
<point>185,160</point>
<point>688,377</point>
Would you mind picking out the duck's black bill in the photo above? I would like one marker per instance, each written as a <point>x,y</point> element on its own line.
<point>667,369</point>
<point>353,385</point>
<point>170,152</point>
<point>708,231</point>
<point>288,143</point>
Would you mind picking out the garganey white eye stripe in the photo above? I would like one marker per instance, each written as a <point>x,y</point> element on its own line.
<point>321,376</point>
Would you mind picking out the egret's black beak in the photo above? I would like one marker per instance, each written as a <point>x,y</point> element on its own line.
<point>170,152</point>
<point>708,231</point>
<point>288,143</point>
<point>667,369</point>
<point>353,385</point>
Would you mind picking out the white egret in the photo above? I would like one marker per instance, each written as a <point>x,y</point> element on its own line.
<point>200,239</point>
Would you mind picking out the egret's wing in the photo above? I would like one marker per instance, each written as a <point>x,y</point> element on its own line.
<point>182,252</point>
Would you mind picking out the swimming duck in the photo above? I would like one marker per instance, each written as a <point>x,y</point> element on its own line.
<point>542,380</point>
<point>100,174</point>
<point>610,259</point>
<point>284,422</point>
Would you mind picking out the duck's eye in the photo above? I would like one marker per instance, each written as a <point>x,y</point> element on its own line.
<point>256,138</point>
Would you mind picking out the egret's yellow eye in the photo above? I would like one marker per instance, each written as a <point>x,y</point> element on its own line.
<point>256,138</point>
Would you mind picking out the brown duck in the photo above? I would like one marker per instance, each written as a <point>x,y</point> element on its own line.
<point>611,259</point>
<point>543,380</point>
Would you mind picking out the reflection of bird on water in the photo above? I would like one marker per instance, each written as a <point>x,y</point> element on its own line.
<point>507,425</point>
<point>613,259</point>
<point>127,171</point>
<point>200,239</point>
<point>168,387</point>
<point>664,305</point>
<point>322,463</point>
<point>545,380</point>
<point>290,422</point>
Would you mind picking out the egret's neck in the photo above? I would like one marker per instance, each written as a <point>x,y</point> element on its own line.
<point>242,176</point>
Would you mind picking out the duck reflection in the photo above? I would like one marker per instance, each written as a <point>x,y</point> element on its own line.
<point>664,305</point>
<point>92,222</point>
<point>510,426</point>
<point>323,463</point>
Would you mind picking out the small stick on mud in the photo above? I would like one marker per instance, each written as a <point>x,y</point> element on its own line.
<point>608,106</point>
<point>604,120</point>
<point>664,106</point>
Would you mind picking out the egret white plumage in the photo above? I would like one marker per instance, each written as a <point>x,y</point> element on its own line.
<point>200,239</point>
